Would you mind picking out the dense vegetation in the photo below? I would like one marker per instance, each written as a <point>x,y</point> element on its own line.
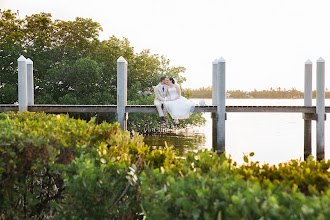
<point>72,66</point>
<point>278,93</point>
<point>53,166</point>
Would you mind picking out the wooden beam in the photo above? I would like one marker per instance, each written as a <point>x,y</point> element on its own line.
<point>211,108</point>
<point>8,107</point>
<point>152,108</point>
<point>73,108</point>
<point>309,117</point>
<point>279,109</point>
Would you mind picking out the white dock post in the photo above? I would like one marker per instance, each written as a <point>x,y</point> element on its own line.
<point>308,102</point>
<point>122,92</point>
<point>320,108</point>
<point>221,105</point>
<point>30,82</point>
<point>22,84</point>
<point>214,102</point>
<point>214,81</point>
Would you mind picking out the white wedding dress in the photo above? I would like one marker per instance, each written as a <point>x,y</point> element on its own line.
<point>180,108</point>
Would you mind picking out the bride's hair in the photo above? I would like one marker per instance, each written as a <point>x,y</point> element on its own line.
<point>172,80</point>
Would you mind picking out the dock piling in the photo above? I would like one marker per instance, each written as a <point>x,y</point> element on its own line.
<point>320,108</point>
<point>30,82</point>
<point>214,102</point>
<point>22,84</point>
<point>122,92</point>
<point>221,105</point>
<point>308,102</point>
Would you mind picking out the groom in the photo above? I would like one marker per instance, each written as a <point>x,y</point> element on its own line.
<point>161,93</point>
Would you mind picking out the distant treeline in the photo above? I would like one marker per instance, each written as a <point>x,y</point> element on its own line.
<point>278,93</point>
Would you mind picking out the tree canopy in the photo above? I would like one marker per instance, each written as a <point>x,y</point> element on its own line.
<point>71,64</point>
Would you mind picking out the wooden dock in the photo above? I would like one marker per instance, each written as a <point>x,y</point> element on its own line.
<point>152,109</point>
<point>218,109</point>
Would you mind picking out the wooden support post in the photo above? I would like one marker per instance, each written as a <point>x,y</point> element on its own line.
<point>320,107</point>
<point>122,92</point>
<point>30,83</point>
<point>22,84</point>
<point>308,102</point>
<point>214,102</point>
<point>221,105</point>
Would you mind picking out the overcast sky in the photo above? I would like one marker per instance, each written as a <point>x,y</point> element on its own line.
<point>264,42</point>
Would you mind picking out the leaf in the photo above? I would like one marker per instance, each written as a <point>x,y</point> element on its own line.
<point>246,159</point>
<point>219,215</point>
<point>195,213</point>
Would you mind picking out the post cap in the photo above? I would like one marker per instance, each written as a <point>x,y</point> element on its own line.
<point>121,60</point>
<point>221,60</point>
<point>21,58</point>
<point>29,61</point>
<point>308,62</point>
<point>215,61</point>
<point>320,60</point>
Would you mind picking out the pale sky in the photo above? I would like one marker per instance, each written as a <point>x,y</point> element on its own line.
<point>264,42</point>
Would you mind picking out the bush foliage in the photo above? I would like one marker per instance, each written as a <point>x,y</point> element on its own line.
<point>212,187</point>
<point>53,166</point>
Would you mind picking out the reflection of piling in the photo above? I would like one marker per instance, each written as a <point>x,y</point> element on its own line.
<point>320,108</point>
<point>308,116</point>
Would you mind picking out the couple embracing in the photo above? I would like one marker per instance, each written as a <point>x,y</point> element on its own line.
<point>168,99</point>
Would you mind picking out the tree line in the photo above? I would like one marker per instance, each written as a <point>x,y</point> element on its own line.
<point>278,93</point>
<point>73,66</point>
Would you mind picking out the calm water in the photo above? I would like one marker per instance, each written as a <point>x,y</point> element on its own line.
<point>273,137</point>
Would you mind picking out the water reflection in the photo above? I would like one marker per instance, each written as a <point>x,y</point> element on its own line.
<point>273,137</point>
<point>183,140</point>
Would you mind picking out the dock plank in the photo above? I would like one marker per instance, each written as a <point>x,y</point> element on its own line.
<point>152,109</point>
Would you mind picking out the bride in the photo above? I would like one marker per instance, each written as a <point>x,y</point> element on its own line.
<point>178,106</point>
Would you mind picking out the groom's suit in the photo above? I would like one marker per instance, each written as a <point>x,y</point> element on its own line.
<point>161,92</point>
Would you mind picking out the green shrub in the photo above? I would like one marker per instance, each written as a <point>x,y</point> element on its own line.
<point>37,148</point>
<point>311,176</point>
<point>52,166</point>
<point>55,166</point>
<point>209,187</point>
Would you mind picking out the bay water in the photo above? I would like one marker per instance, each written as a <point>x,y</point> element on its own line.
<point>273,137</point>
